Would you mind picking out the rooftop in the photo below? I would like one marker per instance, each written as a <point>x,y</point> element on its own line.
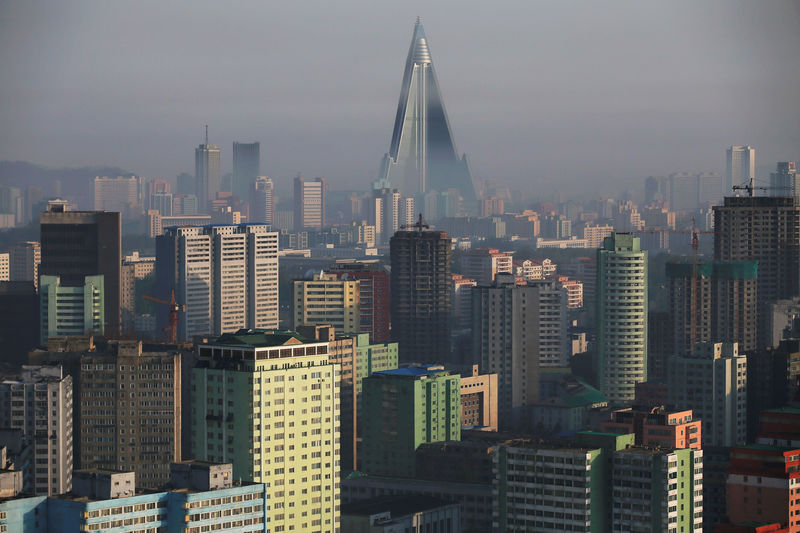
<point>414,371</point>
<point>397,506</point>
<point>260,338</point>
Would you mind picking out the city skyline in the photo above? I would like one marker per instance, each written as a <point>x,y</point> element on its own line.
<point>580,95</point>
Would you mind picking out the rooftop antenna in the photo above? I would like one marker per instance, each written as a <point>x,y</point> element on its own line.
<point>206,134</point>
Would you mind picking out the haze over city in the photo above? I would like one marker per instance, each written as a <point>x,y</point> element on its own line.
<point>537,92</point>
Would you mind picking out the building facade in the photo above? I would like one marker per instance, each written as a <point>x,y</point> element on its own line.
<point>226,276</point>
<point>77,244</point>
<point>420,294</point>
<point>71,310</point>
<point>712,382</point>
<point>246,166</point>
<point>40,403</point>
<point>269,403</point>
<point>621,317</point>
<point>484,264</point>
<point>116,194</point>
<point>516,330</point>
<point>404,408</point>
<point>310,197</point>
<point>25,259</point>
<point>207,175</point>
<point>373,285</point>
<point>262,210</point>
<point>327,299</point>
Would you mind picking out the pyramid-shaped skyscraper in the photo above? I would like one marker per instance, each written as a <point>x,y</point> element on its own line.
<point>422,157</point>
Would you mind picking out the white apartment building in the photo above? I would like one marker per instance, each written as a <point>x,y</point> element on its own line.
<point>40,403</point>
<point>712,382</point>
<point>263,211</point>
<point>227,276</point>
<point>515,330</point>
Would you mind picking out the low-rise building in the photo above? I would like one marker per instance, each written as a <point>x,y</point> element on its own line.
<point>401,513</point>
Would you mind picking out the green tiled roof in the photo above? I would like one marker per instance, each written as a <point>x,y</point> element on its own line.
<point>259,338</point>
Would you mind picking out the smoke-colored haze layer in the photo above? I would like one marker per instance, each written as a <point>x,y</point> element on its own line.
<point>540,94</point>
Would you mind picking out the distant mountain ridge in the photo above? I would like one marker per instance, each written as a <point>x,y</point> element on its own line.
<point>76,183</point>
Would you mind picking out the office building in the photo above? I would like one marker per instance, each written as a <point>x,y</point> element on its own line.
<point>785,181</point>
<point>70,310</point>
<point>310,197</point>
<point>656,427</point>
<point>764,229</point>
<point>40,403</point>
<point>404,408</point>
<point>246,166</point>
<point>373,286</point>
<point>25,259</point>
<point>714,300</point>
<point>77,244</point>
<point>483,264</point>
<point>200,497</point>
<point>117,194</point>
<point>184,204</point>
<point>327,299</point>
<point>269,403</point>
<point>516,330</point>
<point>403,513</point>
<point>120,433</point>
<point>226,276</point>
<point>206,174</point>
<point>420,294</point>
<point>621,302</point>
<point>740,166</point>
<point>657,490</point>
<point>262,209</point>
<point>422,156</point>
<point>712,382</point>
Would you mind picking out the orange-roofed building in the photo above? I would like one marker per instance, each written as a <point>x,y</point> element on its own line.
<point>657,427</point>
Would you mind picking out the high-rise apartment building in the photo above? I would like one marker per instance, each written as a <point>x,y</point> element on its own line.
<point>461,301</point>
<point>116,194</point>
<point>77,244</point>
<point>327,299</point>
<point>70,310</point>
<point>40,403</point>
<point>310,197</point>
<point>373,286</point>
<point>621,302</point>
<point>657,489</point>
<point>206,174</point>
<point>713,301</point>
<point>516,330</point>
<point>262,209</point>
<point>740,166</point>
<point>163,203</point>
<point>246,166</point>
<point>130,412</point>
<point>269,403</point>
<point>596,234</point>
<point>483,264</point>
<point>404,408</point>
<point>422,156</point>
<point>227,276</point>
<point>420,289</point>
<point>764,229</point>
<point>657,427</point>
<point>25,259</point>
<point>712,382</point>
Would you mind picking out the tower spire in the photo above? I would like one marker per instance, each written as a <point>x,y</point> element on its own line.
<point>206,134</point>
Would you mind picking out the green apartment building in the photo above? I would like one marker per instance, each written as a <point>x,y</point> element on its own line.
<point>268,402</point>
<point>549,489</point>
<point>621,299</point>
<point>71,311</point>
<point>403,408</point>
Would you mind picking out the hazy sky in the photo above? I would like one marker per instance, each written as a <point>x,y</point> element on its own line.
<point>539,93</point>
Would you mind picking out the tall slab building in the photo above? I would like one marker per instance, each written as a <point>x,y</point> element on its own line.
<point>420,289</point>
<point>206,173</point>
<point>246,167</point>
<point>740,166</point>
<point>225,275</point>
<point>764,229</point>
<point>621,317</point>
<point>422,156</point>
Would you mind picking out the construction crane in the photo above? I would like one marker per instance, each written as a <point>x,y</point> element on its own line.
<point>750,188</point>
<point>174,309</point>
<point>418,226</point>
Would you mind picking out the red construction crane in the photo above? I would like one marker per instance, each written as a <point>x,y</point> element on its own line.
<point>174,308</point>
